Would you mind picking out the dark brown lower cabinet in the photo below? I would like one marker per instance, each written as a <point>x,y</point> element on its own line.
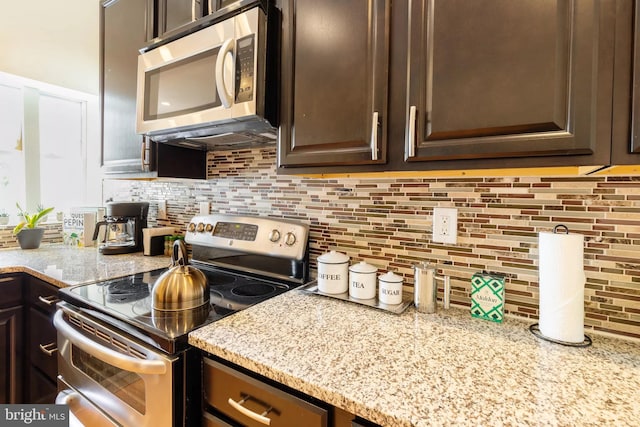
<point>234,396</point>
<point>11,345</point>
<point>10,355</point>
<point>42,363</point>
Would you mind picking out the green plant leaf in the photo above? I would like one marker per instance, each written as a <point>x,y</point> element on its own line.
<point>18,227</point>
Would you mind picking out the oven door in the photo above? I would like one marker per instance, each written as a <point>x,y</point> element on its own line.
<point>114,374</point>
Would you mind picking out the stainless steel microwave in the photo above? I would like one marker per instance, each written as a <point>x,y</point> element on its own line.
<point>211,88</point>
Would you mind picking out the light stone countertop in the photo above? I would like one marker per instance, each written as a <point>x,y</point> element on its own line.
<point>63,265</point>
<point>420,369</point>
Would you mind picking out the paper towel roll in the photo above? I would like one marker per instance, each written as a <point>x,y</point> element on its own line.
<point>561,278</point>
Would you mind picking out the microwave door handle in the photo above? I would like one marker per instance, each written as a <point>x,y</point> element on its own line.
<point>226,97</point>
<point>126,363</point>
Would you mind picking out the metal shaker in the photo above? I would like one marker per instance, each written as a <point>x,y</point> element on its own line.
<point>425,287</point>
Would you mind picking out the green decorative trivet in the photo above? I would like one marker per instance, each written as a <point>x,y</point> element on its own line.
<point>487,296</point>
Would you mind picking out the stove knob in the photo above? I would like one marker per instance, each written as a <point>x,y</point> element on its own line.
<point>274,236</point>
<point>192,227</point>
<point>289,239</point>
<point>208,228</point>
<point>200,227</point>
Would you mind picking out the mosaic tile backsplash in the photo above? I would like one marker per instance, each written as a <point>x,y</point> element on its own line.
<point>387,222</point>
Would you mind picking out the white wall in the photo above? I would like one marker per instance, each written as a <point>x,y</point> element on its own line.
<point>57,42</point>
<point>51,41</point>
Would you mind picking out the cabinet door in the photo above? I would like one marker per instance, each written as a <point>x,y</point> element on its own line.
<point>334,82</point>
<point>11,355</point>
<point>126,28</point>
<point>635,132</point>
<point>173,14</point>
<point>499,79</point>
<point>11,291</point>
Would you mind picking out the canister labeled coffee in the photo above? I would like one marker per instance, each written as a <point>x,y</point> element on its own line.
<point>333,273</point>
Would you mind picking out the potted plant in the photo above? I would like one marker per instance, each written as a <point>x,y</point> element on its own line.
<point>4,218</point>
<point>27,231</point>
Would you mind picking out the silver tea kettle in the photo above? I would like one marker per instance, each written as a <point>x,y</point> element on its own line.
<point>182,287</point>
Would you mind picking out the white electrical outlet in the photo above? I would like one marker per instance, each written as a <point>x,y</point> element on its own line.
<point>162,209</point>
<point>445,225</point>
<point>204,208</point>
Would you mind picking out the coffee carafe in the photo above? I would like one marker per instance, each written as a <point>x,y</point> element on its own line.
<point>123,224</point>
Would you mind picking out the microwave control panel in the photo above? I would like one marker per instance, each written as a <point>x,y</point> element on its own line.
<point>245,66</point>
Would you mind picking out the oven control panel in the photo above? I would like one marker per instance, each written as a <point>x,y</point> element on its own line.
<point>259,235</point>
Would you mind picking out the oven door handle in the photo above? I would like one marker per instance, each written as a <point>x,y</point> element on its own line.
<point>126,363</point>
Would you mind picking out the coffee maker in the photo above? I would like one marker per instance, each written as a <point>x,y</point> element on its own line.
<point>124,222</point>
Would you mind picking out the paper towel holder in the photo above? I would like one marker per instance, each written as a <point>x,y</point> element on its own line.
<point>535,330</point>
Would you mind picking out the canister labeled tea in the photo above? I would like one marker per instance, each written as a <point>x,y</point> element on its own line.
<point>333,273</point>
<point>362,281</point>
<point>390,288</point>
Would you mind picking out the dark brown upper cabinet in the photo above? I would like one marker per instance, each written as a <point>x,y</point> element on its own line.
<point>483,84</point>
<point>635,132</point>
<point>334,82</point>
<point>504,79</point>
<point>126,27</point>
<point>626,105</point>
<point>173,14</point>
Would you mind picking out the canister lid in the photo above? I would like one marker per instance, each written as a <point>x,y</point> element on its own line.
<point>363,267</point>
<point>390,277</point>
<point>333,257</point>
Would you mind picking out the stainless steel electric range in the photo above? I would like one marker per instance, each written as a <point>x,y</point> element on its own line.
<point>122,363</point>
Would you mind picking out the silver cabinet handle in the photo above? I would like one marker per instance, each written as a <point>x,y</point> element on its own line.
<point>126,363</point>
<point>143,157</point>
<point>49,349</point>
<point>374,136</point>
<point>226,96</point>
<point>210,4</point>
<point>410,150</point>
<point>249,413</point>
<point>193,10</point>
<point>49,300</point>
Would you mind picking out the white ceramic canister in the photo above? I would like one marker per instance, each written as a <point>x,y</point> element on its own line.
<point>390,288</point>
<point>333,273</point>
<point>362,280</point>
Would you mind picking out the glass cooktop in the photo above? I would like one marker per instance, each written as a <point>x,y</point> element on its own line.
<point>126,304</point>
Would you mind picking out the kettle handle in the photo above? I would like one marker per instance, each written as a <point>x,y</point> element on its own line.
<point>179,255</point>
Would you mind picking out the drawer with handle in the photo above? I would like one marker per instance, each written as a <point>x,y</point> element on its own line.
<point>253,403</point>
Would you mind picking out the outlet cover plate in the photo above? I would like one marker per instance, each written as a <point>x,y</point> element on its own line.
<point>204,208</point>
<point>445,225</point>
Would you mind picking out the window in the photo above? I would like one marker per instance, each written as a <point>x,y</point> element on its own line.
<point>48,145</point>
